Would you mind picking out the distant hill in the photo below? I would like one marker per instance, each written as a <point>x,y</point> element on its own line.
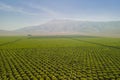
<point>5,32</point>
<point>9,33</point>
<point>58,27</point>
<point>72,26</point>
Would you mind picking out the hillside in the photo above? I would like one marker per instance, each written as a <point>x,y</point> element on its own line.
<point>62,27</point>
<point>70,26</point>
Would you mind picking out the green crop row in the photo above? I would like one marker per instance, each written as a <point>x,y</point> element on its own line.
<point>71,63</point>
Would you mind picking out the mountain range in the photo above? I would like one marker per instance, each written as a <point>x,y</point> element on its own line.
<point>63,27</point>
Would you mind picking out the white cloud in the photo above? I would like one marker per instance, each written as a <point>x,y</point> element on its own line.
<point>42,11</point>
<point>6,7</point>
<point>47,11</point>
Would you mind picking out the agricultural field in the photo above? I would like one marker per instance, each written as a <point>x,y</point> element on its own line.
<point>59,58</point>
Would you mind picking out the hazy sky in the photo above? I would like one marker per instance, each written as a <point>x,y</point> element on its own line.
<point>15,14</point>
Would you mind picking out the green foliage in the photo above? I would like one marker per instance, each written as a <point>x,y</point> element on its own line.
<point>60,59</point>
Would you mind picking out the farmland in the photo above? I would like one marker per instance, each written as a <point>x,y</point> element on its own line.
<point>59,58</point>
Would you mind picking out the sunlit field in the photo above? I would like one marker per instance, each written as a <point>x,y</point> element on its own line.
<point>59,58</point>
